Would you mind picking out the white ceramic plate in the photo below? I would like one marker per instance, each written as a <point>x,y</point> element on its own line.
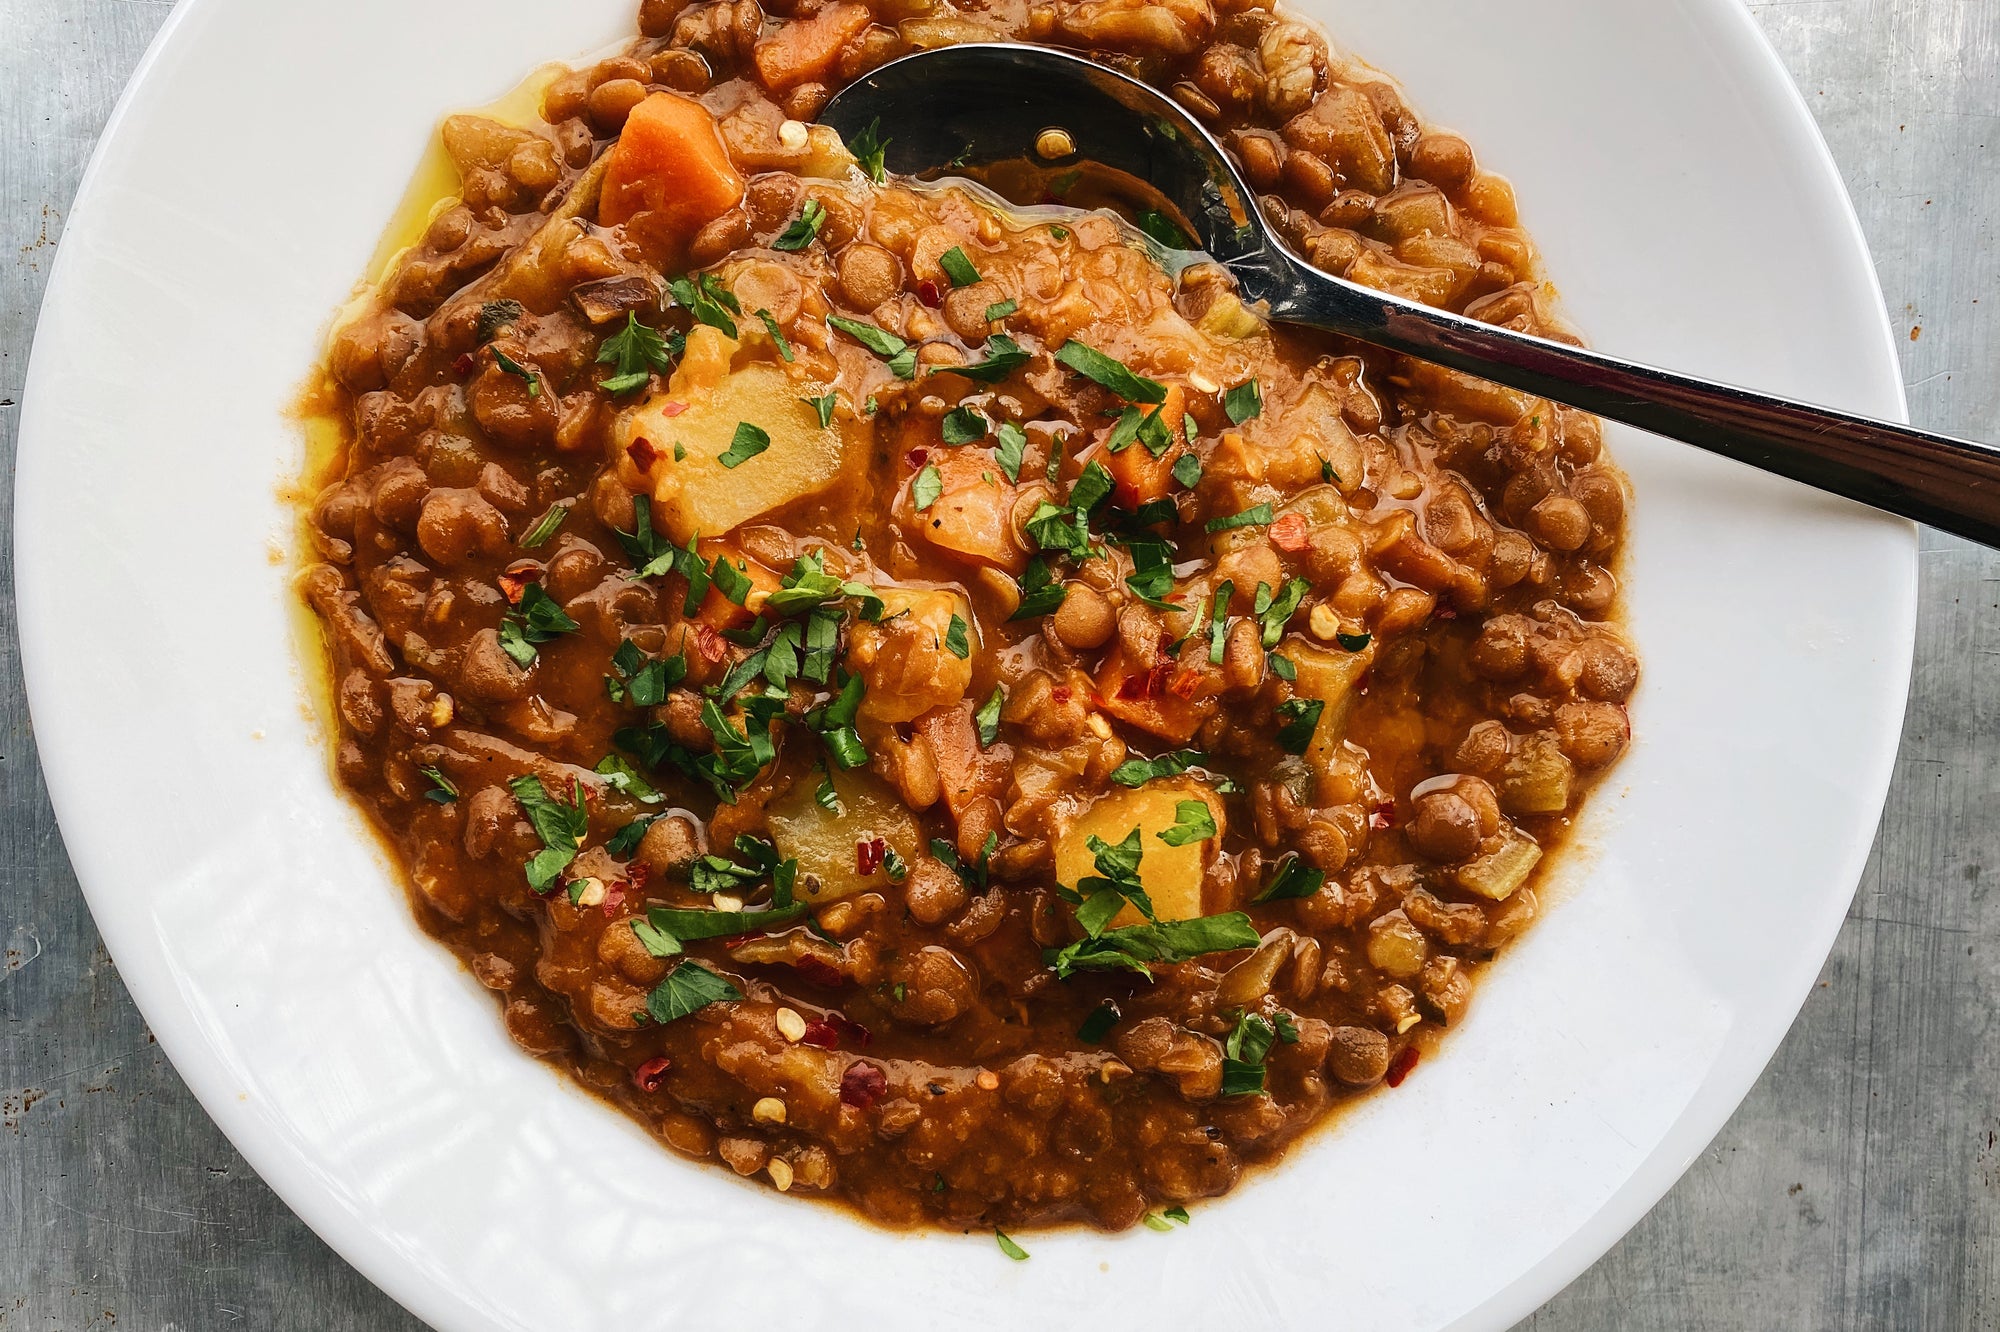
<point>1692,216</point>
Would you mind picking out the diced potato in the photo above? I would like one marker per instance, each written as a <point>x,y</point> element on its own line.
<point>905,659</point>
<point>1537,778</point>
<point>973,517</point>
<point>697,494</point>
<point>1331,677</point>
<point>1172,875</point>
<point>1500,873</point>
<point>823,840</point>
<point>967,774</point>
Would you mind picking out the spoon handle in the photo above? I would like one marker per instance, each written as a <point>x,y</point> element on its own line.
<point>1952,484</point>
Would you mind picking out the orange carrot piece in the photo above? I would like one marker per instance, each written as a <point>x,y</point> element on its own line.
<point>669,169</point>
<point>804,51</point>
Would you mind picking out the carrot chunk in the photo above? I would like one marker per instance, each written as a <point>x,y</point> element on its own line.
<point>669,169</point>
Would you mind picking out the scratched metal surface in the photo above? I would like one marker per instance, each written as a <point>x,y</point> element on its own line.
<point>1858,1187</point>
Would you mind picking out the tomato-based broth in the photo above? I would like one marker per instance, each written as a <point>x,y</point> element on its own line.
<point>912,697</point>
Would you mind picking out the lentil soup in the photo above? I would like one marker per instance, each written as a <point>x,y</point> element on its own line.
<point>912,697</point>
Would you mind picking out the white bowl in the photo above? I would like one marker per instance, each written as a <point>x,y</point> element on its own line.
<point>1692,217</point>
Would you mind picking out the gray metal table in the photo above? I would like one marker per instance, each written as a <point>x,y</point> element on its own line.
<point>1858,1187</point>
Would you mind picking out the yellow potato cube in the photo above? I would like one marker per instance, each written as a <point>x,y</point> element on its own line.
<point>1172,875</point>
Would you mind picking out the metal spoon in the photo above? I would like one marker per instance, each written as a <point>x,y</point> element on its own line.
<point>966,106</point>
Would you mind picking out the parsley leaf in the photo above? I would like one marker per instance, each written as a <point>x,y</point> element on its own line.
<point>823,406</point>
<point>667,928</point>
<point>443,792</point>
<point>956,641</point>
<point>536,620</point>
<point>1193,821</point>
<point>1011,450</point>
<point>1165,230</point>
<point>1099,1024</point>
<point>803,229</point>
<point>1008,1247</point>
<point>1353,642</point>
<point>638,353</point>
<point>1001,309</point>
<point>519,371</point>
<point>1218,622</point>
<point>1255,516</point>
<point>1133,947</point>
<point>562,826</point>
<point>987,719</point>
<point>1244,402</point>
<point>1187,470</point>
<point>688,988</point>
<point>1276,611</point>
<point>958,267</point>
<point>1301,718</point>
<point>1294,879</point>
<point>924,491</point>
<point>708,301</point>
<point>902,358</point>
<point>1111,373</point>
<point>621,776</point>
<point>869,149</point>
<point>964,425</point>
<point>1003,357</point>
<point>748,443</point>
<point>777,333</point>
<point>1244,1053</point>
<point>545,527</point>
<point>1137,772</point>
<point>1041,591</point>
<point>834,721</point>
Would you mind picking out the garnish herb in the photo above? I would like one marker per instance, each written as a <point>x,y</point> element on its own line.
<point>1294,879</point>
<point>826,797</point>
<point>1187,470</point>
<point>1001,309</point>
<point>964,425</point>
<point>666,929</point>
<point>442,791</point>
<point>1011,449</point>
<point>987,719</point>
<point>1353,642</point>
<point>519,371</point>
<point>688,988</point>
<point>1041,591</point>
<point>1111,373</point>
<point>902,357</point>
<point>1137,772</point>
<point>545,526</point>
<point>1326,473</point>
<point>803,229</point>
<point>1193,821</point>
<point>770,322</point>
<point>1218,620</point>
<point>562,826</point>
<point>496,315</point>
<point>1244,402</point>
<point>536,620</point>
<point>748,443</point>
<point>823,407</point>
<point>625,842</point>
<point>1060,233</point>
<point>622,776</point>
<point>1154,1221</point>
<point>637,353</point>
<point>835,723</point>
<point>1276,610</point>
<point>708,301</point>
<point>1243,1055</point>
<point>1177,1214</point>
<point>1301,718</point>
<point>956,640</point>
<point>1134,947</point>
<point>869,149</point>
<point>1099,1024</point>
<point>1008,1247</point>
<point>1283,668</point>
<point>731,580</point>
<point>642,682</point>
<point>1003,357</point>
<point>1256,516</point>
<point>958,267</point>
<point>924,491</point>
<point>1165,230</point>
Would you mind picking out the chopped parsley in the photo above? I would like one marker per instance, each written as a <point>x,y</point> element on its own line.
<point>626,840</point>
<point>1165,230</point>
<point>496,315</point>
<point>1244,402</point>
<point>777,333</point>
<point>536,620</point>
<point>958,267</point>
<point>1301,718</point>
<point>1294,879</point>
<point>1218,620</point>
<point>1275,610</point>
<point>562,826</point>
<point>1187,470</point>
<point>869,149</point>
<point>1255,516</point>
<point>731,580</point>
<point>1001,309</point>
<point>1111,373</point>
<point>688,988</point>
<point>987,719</point>
<point>834,721</point>
<point>1099,1024</point>
<point>519,371</point>
<point>902,357</point>
<point>749,441</point>
<point>924,491</point>
<point>622,777</point>
<point>1137,772</point>
<point>823,407</point>
<point>804,227</point>
<point>708,301</point>
<point>1135,947</point>
<point>1008,1247</point>
<point>545,527</point>
<point>956,640</point>
<point>1282,667</point>
<point>1011,449</point>
<point>637,353</point>
<point>1244,1054</point>
<point>964,425</point>
<point>1353,642</point>
<point>1003,357</point>
<point>1193,821</point>
<point>442,791</point>
<point>640,681</point>
<point>1041,591</point>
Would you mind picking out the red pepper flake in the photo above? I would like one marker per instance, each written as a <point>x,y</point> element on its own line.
<point>818,971</point>
<point>1290,533</point>
<point>1446,612</point>
<point>1186,685</point>
<point>637,873</point>
<point>826,1033</point>
<point>672,409</point>
<point>642,453</point>
<point>1400,1066</point>
<point>614,896</point>
<point>915,459</point>
<point>462,366</point>
<point>862,1085</point>
<point>709,643</point>
<point>649,1075</point>
<point>1060,695</point>
<point>515,579</point>
<point>869,854</point>
<point>1382,816</point>
<point>927,292</point>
